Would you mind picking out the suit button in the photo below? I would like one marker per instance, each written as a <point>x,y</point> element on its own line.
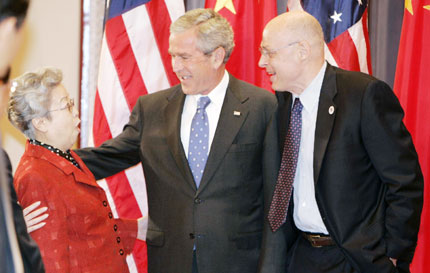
<point>115,227</point>
<point>192,236</point>
<point>110,215</point>
<point>118,240</point>
<point>105,203</point>
<point>121,252</point>
<point>197,201</point>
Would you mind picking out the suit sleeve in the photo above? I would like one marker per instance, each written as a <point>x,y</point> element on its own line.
<point>274,249</point>
<point>390,148</point>
<point>29,250</point>
<point>119,153</point>
<point>128,232</point>
<point>53,237</point>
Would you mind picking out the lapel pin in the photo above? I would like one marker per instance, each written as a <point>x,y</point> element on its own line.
<point>236,113</point>
<point>331,110</point>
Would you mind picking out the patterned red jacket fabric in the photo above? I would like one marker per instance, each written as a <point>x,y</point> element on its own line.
<point>81,234</point>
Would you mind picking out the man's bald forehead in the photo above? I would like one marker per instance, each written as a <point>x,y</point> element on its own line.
<point>296,23</point>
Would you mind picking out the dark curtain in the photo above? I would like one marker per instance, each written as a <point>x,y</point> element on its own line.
<point>385,24</point>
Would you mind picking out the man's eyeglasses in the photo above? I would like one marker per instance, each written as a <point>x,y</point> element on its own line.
<point>271,53</point>
<point>69,106</point>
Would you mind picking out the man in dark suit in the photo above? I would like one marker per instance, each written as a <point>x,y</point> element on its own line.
<point>209,150</point>
<point>18,252</point>
<point>350,162</point>
<point>30,253</point>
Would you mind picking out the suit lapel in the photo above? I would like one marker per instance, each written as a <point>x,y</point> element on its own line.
<point>228,126</point>
<point>325,118</point>
<point>172,128</point>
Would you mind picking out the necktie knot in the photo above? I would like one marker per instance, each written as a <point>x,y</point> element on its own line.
<point>297,106</point>
<point>203,102</point>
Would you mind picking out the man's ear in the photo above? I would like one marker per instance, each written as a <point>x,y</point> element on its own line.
<point>8,34</point>
<point>7,27</point>
<point>40,124</point>
<point>304,50</point>
<point>218,57</point>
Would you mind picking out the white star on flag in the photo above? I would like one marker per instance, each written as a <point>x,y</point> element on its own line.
<point>336,17</point>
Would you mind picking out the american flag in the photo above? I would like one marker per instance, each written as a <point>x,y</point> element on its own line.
<point>134,61</point>
<point>346,34</point>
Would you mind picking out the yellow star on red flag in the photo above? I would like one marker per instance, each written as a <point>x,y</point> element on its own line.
<point>427,7</point>
<point>408,6</point>
<point>228,4</point>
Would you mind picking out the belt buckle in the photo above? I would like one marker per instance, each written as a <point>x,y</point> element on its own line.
<point>313,241</point>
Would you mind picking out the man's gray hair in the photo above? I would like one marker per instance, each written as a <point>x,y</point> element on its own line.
<point>213,30</point>
<point>30,98</point>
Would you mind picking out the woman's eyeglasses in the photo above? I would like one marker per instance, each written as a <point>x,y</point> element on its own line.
<point>69,106</point>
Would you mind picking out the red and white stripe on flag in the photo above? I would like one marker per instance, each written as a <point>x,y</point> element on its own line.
<point>345,27</point>
<point>134,61</point>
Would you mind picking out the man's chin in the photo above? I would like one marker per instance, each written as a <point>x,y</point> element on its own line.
<point>279,87</point>
<point>275,86</point>
<point>186,90</point>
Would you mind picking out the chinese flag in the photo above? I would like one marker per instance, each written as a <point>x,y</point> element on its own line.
<point>248,18</point>
<point>412,86</point>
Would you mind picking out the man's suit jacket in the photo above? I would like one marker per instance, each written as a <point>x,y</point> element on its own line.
<point>80,234</point>
<point>368,183</point>
<point>223,218</point>
<point>30,253</point>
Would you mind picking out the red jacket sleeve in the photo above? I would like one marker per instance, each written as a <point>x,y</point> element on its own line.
<point>53,238</point>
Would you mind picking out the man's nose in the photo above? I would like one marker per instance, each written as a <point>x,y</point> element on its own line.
<point>263,61</point>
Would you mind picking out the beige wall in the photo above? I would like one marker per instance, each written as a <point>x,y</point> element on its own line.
<point>51,38</point>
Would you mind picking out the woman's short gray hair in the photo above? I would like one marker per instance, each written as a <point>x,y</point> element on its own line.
<point>30,98</point>
<point>213,30</point>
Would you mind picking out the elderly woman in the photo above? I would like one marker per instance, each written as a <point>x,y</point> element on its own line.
<point>80,234</point>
